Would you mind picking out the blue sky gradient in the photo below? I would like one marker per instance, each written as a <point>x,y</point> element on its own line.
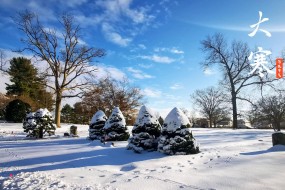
<point>156,44</point>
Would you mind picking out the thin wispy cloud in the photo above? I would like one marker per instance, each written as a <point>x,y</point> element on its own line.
<point>208,72</point>
<point>117,13</point>
<point>152,93</point>
<point>176,86</point>
<point>139,74</point>
<point>237,28</point>
<point>73,3</point>
<point>115,73</point>
<point>173,50</point>
<point>113,36</point>
<point>176,51</point>
<point>142,46</point>
<point>145,66</point>
<point>158,59</point>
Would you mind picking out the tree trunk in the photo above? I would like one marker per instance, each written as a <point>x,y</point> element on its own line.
<point>234,103</point>
<point>41,133</point>
<point>210,118</point>
<point>277,126</point>
<point>57,109</point>
<point>215,123</point>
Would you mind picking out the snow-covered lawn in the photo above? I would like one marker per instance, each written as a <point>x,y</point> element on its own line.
<point>229,159</point>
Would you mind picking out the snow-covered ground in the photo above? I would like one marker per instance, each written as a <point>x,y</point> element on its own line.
<point>229,159</point>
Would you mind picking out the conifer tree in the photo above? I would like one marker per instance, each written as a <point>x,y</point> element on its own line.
<point>115,128</point>
<point>145,132</point>
<point>96,125</point>
<point>16,110</point>
<point>176,137</point>
<point>67,114</point>
<point>26,82</point>
<point>39,124</point>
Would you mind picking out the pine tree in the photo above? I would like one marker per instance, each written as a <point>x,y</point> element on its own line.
<point>39,124</point>
<point>115,128</point>
<point>26,82</point>
<point>67,114</point>
<point>145,132</point>
<point>176,137</point>
<point>96,125</point>
<point>16,110</point>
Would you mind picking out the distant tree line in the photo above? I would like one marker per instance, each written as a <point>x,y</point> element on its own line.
<point>27,92</point>
<point>104,95</point>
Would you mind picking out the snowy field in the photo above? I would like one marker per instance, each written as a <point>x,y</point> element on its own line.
<point>229,159</point>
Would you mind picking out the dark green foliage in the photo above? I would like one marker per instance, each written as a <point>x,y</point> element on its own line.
<point>116,133</point>
<point>26,82</point>
<point>39,124</point>
<point>145,132</point>
<point>67,114</point>
<point>180,143</point>
<point>176,137</point>
<point>160,120</point>
<point>81,114</point>
<point>115,128</point>
<point>97,123</point>
<point>16,110</point>
<point>96,130</point>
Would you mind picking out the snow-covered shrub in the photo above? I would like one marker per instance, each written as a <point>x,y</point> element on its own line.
<point>115,127</point>
<point>96,125</point>
<point>39,123</point>
<point>145,132</point>
<point>176,137</point>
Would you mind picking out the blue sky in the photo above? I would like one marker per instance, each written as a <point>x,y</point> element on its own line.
<point>156,44</point>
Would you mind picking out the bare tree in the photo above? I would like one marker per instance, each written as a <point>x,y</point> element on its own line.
<point>210,102</point>
<point>188,114</point>
<point>272,109</point>
<point>235,66</point>
<point>68,60</point>
<point>108,93</point>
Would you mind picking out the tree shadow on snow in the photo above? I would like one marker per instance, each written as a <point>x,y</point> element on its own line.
<point>106,156</point>
<point>276,148</point>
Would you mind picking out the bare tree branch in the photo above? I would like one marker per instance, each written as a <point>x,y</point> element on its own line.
<point>68,65</point>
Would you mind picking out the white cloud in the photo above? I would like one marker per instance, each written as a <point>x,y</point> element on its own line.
<point>208,72</point>
<point>114,37</point>
<point>176,51</point>
<point>119,13</point>
<point>173,50</point>
<point>142,46</point>
<point>115,73</point>
<point>152,93</point>
<point>44,12</point>
<point>146,66</point>
<point>73,3</point>
<point>160,49</point>
<point>176,86</point>
<point>139,74</point>
<point>114,9</point>
<point>88,21</point>
<point>158,59</point>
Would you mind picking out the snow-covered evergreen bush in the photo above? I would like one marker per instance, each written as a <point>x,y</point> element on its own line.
<point>96,125</point>
<point>39,123</point>
<point>115,127</point>
<point>176,137</point>
<point>145,132</point>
